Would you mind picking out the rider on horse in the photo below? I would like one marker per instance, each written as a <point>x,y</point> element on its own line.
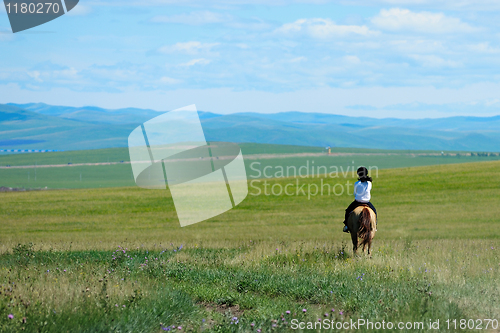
<point>362,195</point>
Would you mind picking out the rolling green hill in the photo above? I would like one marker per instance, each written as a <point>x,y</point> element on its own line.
<point>41,126</point>
<point>30,130</point>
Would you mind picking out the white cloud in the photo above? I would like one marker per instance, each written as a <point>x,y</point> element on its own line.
<point>80,10</point>
<point>194,18</point>
<point>298,59</point>
<point>397,19</point>
<point>114,74</point>
<point>53,75</point>
<point>250,24</point>
<point>350,59</point>
<point>483,48</point>
<point>435,61</point>
<point>192,47</point>
<point>417,46</point>
<point>6,36</point>
<point>169,80</point>
<point>448,4</point>
<point>35,75</point>
<point>492,102</point>
<point>242,46</point>
<point>201,61</point>
<point>208,17</point>
<point>324,28</point>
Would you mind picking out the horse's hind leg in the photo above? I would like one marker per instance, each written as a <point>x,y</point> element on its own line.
<point>354,237</point>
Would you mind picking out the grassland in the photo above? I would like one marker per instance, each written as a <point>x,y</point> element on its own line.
<point>116,260</point>
<point>118,174</point>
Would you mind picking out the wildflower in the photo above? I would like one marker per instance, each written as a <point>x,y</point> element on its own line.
<point>341,312</point>
<point>274,325</point>
<point>326,314</point>
<point>287,312</point>
<point>252,324</point>
<point>10,316</point>
<point>304,310</point>
<point>259,330</point>
<point>179,327</point>
<point>124,305</point>
<point>333,310</point>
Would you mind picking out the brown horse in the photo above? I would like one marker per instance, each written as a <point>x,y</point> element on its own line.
<point>362,223</point>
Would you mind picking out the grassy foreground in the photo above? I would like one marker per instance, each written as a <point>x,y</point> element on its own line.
<point>115,260</point>
<point>248,287</point>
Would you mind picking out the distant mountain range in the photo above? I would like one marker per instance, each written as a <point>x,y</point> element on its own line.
<point>42,126</point>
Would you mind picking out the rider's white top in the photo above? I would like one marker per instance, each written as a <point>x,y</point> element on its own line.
<point>362,191</point>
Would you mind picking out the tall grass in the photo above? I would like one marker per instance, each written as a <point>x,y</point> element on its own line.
<point>139,290</point>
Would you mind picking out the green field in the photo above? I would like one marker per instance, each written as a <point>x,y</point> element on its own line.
<point>436,257</point>
<point>120,174</point>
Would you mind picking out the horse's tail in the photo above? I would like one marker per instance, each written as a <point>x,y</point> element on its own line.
<point>365,227</point>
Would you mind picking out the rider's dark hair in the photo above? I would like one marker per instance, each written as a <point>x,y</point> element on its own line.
<point>363,175</point>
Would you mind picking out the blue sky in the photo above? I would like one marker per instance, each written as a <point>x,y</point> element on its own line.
<point>381,58</point>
